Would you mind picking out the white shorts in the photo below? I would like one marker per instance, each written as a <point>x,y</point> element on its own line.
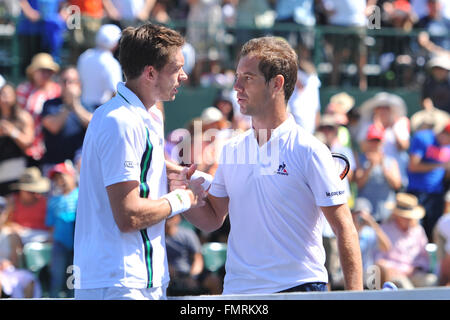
<point>121,293</point>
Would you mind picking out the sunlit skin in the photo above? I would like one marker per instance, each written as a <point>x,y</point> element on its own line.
<point>65,182</point>
<point>159,85</point>
<point>42,77</point>
<point>169,78</point>
<point>7,100</point>
<point>263,101</point>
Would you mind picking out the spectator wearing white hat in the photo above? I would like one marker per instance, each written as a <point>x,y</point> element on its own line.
<point>389,111</point>
<point>436,88</point>
<point>99,71</point>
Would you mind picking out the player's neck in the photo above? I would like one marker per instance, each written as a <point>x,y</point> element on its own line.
<point>264,124</point>
<point>143,93</point>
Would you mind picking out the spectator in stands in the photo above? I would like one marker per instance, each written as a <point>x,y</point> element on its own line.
<point>12,10</point>
<point>435,24</point>
<point>40,28</point>
<point>130,12</point>
<point>399,14</point>
<point>371,236</point>
<point>160,13</point>
<point>442,238</point>
<point>16,134</point>
<point>350,14</point>
<point>10,242</point>
<point>61,211</point>
<point>203,30</point>
<point>436,89</point>
<point>31,96</point>
<point>214,134</point>
<point>432,118</point>
<point>186,265</point>
<point>377,175</point>
<point>419,8</point>
<point>304,104</point>
<point>389,111</point>
<point>251,15</point>
<point>396,60</point>
<point>14,282</point>
<point>64,120</point>
<point>82,37</point>
<point>433,49</point>
<point>406,264</point>
<point>99,70</point>
<point>29,205</point>
<point>339,106</point>
<point>302,13</point>
<point>429,161</point>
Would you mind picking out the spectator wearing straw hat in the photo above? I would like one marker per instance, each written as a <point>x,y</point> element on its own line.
<point>432,118</point>
<point>14,281</point>
<point>29,205</point>
<point>99,71</point>
<point>407,262</point>
<point>32,94</point>
<point>429,161</point>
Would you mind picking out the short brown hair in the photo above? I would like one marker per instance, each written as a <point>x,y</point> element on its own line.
<point>276,57</point>
<point>149,44</point>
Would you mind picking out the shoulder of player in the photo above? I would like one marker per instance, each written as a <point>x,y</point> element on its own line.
<point>115,115</point>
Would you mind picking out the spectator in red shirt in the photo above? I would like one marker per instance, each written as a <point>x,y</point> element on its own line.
<point>29,206</point>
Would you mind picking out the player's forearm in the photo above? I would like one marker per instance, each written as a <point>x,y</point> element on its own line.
<point>144,214</point>
<point>350,257</point>
<point>133,213</point>
<point>341,222</point>
<point>204,218</point>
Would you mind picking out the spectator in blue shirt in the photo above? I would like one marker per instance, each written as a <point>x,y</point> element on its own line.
<point>64,121</point>
<point>429,160</point>
<point>40,28</point>
<point>61,212</point>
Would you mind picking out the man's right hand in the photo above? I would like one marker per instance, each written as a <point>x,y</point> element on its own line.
<point>194,187</point>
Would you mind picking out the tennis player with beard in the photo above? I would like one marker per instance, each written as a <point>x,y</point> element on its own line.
<point>123,201</point>
<point>277,183</point>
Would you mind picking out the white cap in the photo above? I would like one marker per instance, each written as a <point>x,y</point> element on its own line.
<point>211,115</point>
<point>108,36</point>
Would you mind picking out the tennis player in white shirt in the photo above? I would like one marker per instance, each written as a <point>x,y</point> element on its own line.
<point>278,184</point>
<point>119,247</point>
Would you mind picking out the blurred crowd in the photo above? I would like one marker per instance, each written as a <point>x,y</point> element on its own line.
<point>399,180</point>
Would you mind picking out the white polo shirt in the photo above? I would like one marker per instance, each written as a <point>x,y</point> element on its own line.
<point>124,142</point>
<point>275,241</point>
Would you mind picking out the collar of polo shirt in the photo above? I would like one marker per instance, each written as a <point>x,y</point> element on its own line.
<point>282,128</point>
